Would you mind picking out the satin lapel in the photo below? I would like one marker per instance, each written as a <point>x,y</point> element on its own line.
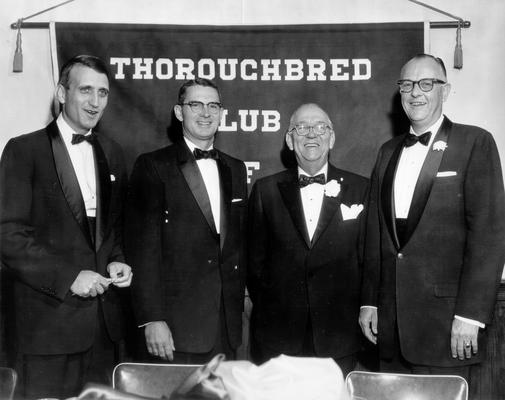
<point>225,181</point>
<point>191,173</point>
<point>290,193</point>
<point>103,190</point>
<point>330,206</point>
<point>426,180</point>
<point>68,181</point>
<point>387,193</point>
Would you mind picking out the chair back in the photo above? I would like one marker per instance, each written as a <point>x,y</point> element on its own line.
<point>8,378</point>
<point>150,380</point>
<point>385,386</point>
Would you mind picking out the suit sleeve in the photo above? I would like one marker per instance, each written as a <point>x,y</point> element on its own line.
<point>22,253</point>
<point>485,221</point>
<point>371,251</point>
<point>257,243</point>
<point>143,219</point>
<point>117,253</point>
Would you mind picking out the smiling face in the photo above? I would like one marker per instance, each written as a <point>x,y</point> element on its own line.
<point>199,127</point>
<point>312,150</point>
<point>424,108</point>
<point>84,98</point>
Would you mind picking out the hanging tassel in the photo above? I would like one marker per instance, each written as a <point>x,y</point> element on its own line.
<point>458,51</point>
<point>18,54</point>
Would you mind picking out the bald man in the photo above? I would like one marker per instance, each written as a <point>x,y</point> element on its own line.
<point>304,259</point>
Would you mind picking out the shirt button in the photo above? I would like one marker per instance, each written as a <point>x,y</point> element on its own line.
<point>209,261</point>
<point>166,221</point>
<point>400,256</point>
<point>235,267</point>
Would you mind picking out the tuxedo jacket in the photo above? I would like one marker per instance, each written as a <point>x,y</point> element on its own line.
<point>293,280</point>
<point>452,259</point>
<point>184,271</point>
<point>46,240</point>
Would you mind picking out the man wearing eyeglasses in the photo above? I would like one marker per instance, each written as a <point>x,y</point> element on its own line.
<point>303,255</point>
<point>435,235</point>
<point>185,226</point>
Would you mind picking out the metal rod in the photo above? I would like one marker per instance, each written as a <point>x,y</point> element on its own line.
<point>436,9</point>
<point>433,25</point>
<point>40,12</point>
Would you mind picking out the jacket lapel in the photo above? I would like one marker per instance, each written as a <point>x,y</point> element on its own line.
<point>103,188</point>
<point>290,193</point>
<point>330,205</point>
<point>191,173</point>
<point>387,193</point>
<point>225,180</point>
<point>68,180</point>
<point>426,179</point>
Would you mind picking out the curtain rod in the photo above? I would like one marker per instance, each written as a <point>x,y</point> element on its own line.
<point>433,25</point>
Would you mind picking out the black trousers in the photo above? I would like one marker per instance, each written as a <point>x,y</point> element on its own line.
<point>64,375</point>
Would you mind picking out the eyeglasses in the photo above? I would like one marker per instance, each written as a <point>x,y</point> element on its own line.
<point>426,84</point>
<point>197,106</point>
<point>304,130</point>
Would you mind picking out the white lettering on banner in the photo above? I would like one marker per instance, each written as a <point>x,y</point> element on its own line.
<point>251,166</point>
<point>313,69</point>
<point>271,121</point>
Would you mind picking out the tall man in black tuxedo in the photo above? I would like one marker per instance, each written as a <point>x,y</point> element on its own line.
<point>304,250</point>
<point>185,229</point>
<point>61,194</point>
<point>435,235</point>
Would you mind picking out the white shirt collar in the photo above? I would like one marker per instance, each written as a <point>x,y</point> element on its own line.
<point>433,128</point>
<point>66,130</point>
<point>193,146</point>
<point>323,170</point>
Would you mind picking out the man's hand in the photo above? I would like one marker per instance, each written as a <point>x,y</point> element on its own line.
<point>120,274</point>
<point>89,284</point>
<point>159,340</point>
<point>368,323</point>
<point>463,339</point>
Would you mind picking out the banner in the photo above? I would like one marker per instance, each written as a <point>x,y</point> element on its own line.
<point>263,72</point>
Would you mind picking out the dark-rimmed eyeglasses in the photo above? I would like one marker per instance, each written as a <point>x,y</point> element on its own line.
<point>197,106</point>
<point>304,130</point>
<point>426,84</point>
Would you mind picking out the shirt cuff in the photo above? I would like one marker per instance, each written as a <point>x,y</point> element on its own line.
<point>470,321</point>
<point>375,308</point>
<point>147,323</point>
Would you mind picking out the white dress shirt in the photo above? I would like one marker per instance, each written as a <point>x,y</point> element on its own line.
<point>83,162</point>
<point>312,200</point>
<point>210,174</point>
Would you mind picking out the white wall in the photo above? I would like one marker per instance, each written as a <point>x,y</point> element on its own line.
<point>478,89</point>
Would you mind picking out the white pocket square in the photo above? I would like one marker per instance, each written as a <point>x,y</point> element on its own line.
<point>235,200</point>
<point>351,212</point>
<point>112,178</point>
<point>443,174</point>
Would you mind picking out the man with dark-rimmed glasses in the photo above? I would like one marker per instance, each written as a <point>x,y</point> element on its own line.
<point>435,244</point>
<point>303,250</point>
<point>185,225</point>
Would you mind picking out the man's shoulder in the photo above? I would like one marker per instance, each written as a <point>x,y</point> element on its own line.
<point>278,177</point>
<point>230,160</point>
<point>350,177</point>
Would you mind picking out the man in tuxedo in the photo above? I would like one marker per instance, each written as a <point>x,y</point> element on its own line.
<point>304,250</point>
<point>60,206</point>
<point>185,229</point>
<point>435,235</point>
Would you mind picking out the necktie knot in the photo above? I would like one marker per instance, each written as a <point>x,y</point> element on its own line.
<point>411,139</point>
<point>304,180</point>
<point>79,138</point>
<point>205,154</point>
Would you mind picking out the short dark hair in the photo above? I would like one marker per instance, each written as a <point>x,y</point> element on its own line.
<point>196,82</point>
<point>92,62</point>
<point>438,60</point>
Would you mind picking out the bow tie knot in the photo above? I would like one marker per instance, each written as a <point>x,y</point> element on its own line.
<point>79,138</point>
<point>411,139</point>
<point>205,154</point>
<point>304,180</point>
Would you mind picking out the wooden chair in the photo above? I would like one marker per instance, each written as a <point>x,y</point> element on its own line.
<point>8,378</point>
<point>384,386</point>
<point>150,380</point>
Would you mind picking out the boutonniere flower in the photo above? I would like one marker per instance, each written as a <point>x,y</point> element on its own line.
<point>332,188</point>
<point>439,145</point>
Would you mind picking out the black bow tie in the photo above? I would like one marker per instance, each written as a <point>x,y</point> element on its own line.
<point>78,138</point>
<point>304,180</point>
<point>205,154</point>
<point>411,140</point>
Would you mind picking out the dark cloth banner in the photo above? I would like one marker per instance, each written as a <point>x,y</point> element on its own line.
<point>263,72</point>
